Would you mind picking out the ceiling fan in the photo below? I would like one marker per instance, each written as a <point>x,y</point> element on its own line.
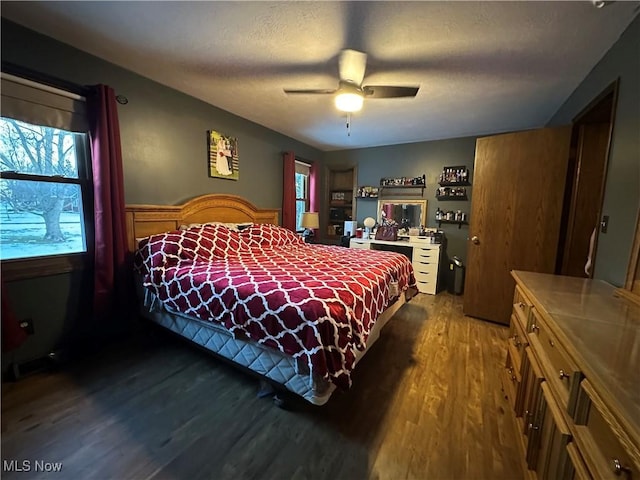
<point>350,94</point>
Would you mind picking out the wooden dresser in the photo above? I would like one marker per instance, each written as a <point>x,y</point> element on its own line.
<point>572,376</point>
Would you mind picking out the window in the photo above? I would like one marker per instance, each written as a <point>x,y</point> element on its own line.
<point>40,191</point>
<point>44,175</point>
<point>303,171</point>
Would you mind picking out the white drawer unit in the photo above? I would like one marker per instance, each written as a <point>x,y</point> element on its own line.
<point>426,262</point>
<point>425,258</point>
<point>360,243</point>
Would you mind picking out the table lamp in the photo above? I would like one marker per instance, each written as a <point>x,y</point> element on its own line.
<point>310,221</point>
<point>369,223</point>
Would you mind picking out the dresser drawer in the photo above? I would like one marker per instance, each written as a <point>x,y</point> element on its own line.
<point>423,256</point>
<point>601,440</point>
<point>517,342</point>
<point>427,284</point>
<point>425,268</point>
<point>575,469</point>
<point>522,307</point>
<point>359,243</point>
<point>510,380</point>
<point>558,368</point>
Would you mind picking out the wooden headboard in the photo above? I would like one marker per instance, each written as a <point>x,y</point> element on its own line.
<point>145,220</point>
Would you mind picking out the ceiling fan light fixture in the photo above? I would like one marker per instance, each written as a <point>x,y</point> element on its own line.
<point>349,99</point>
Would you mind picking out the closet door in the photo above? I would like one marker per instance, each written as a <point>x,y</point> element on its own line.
<point>518,192</point>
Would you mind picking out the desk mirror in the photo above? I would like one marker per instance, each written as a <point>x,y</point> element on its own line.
<point>406,213</point>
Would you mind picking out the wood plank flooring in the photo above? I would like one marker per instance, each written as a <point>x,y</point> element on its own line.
<point>426,403</point>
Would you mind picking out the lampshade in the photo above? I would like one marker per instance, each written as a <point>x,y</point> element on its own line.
<point>369,222</point>
<point>310,220</point>
<point>349,98</point>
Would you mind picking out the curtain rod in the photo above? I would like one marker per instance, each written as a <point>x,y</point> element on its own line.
<point>44,79</point>
<point>41,86</point>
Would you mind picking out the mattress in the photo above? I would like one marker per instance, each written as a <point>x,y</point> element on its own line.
<point>315,302</point>
<point>269,363</point>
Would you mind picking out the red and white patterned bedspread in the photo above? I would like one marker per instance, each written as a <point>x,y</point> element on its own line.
<point>313,302</point>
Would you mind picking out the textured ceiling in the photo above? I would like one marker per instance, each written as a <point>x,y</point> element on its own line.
<point>482,67</point>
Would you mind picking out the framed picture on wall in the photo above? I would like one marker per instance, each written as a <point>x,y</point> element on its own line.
<point>223,155</point>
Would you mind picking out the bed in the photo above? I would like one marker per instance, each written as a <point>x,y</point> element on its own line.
<point>221,273</point>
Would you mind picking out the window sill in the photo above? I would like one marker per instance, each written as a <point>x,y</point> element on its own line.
<point>21,269</point>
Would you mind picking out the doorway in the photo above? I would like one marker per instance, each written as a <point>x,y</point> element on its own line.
<point>584,191</point>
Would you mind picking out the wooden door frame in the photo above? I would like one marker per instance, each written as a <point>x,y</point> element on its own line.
<point>578,121</point>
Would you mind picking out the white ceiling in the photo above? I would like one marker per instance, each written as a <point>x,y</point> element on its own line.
<point>482,67</point>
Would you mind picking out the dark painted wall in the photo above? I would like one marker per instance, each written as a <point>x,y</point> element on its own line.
<point>622,191</point>
<point>163,131</point>
<point>164,150</point>
<point>411,160</point>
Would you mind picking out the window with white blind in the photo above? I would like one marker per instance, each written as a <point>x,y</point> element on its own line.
<point>303,171</point>
<point>45,179</point>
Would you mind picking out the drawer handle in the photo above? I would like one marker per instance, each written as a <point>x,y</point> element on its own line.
<point>551,343</point>
<point>521,305</point>
<point>510,370</point>
<point>513,378</point>
<point>535,328</point>
<point>619,469</point>
<point>562,374</point>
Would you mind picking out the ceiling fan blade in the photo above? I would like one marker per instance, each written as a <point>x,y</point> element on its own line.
<point>320,91</point>
<point>386,91</point>
<point>351,66</point>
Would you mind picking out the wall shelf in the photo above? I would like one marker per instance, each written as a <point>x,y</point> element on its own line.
<point>454,176</point>
<point>460,198</point>
<point>454,184</point>
<point>340,188</point>
<point>407,193</point>
<point>454,222</point>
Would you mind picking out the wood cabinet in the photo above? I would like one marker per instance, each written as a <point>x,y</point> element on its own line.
<point>572,378</point>
<point>340,205</point>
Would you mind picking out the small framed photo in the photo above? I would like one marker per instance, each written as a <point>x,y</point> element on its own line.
<point>223,156</point>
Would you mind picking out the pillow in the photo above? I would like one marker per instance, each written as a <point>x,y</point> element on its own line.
<point>266,235</point>
<point>231,226</point>
<point>208,241</point>
<point>156,252</point>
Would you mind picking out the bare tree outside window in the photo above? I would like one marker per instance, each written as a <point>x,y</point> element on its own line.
<point>40,190</point>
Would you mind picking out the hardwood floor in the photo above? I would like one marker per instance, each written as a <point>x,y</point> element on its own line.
<point>426,403</point>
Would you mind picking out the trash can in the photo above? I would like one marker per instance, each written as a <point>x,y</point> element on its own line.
<point>456,276</point>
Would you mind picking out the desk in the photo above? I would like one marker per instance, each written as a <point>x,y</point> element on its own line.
<point>425,257</point>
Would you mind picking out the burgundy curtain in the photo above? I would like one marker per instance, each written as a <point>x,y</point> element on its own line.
<point>289,191</point>
<point>313,188</point>
<point>112,289</point>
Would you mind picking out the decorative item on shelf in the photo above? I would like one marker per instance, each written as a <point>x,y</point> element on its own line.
<point>459,217</point>
<point>310,221</point>
<point>451,193</point>
<point>404,181</point>
<point>367,192</point>
<point>338,198</point>
<point>454,176</point>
